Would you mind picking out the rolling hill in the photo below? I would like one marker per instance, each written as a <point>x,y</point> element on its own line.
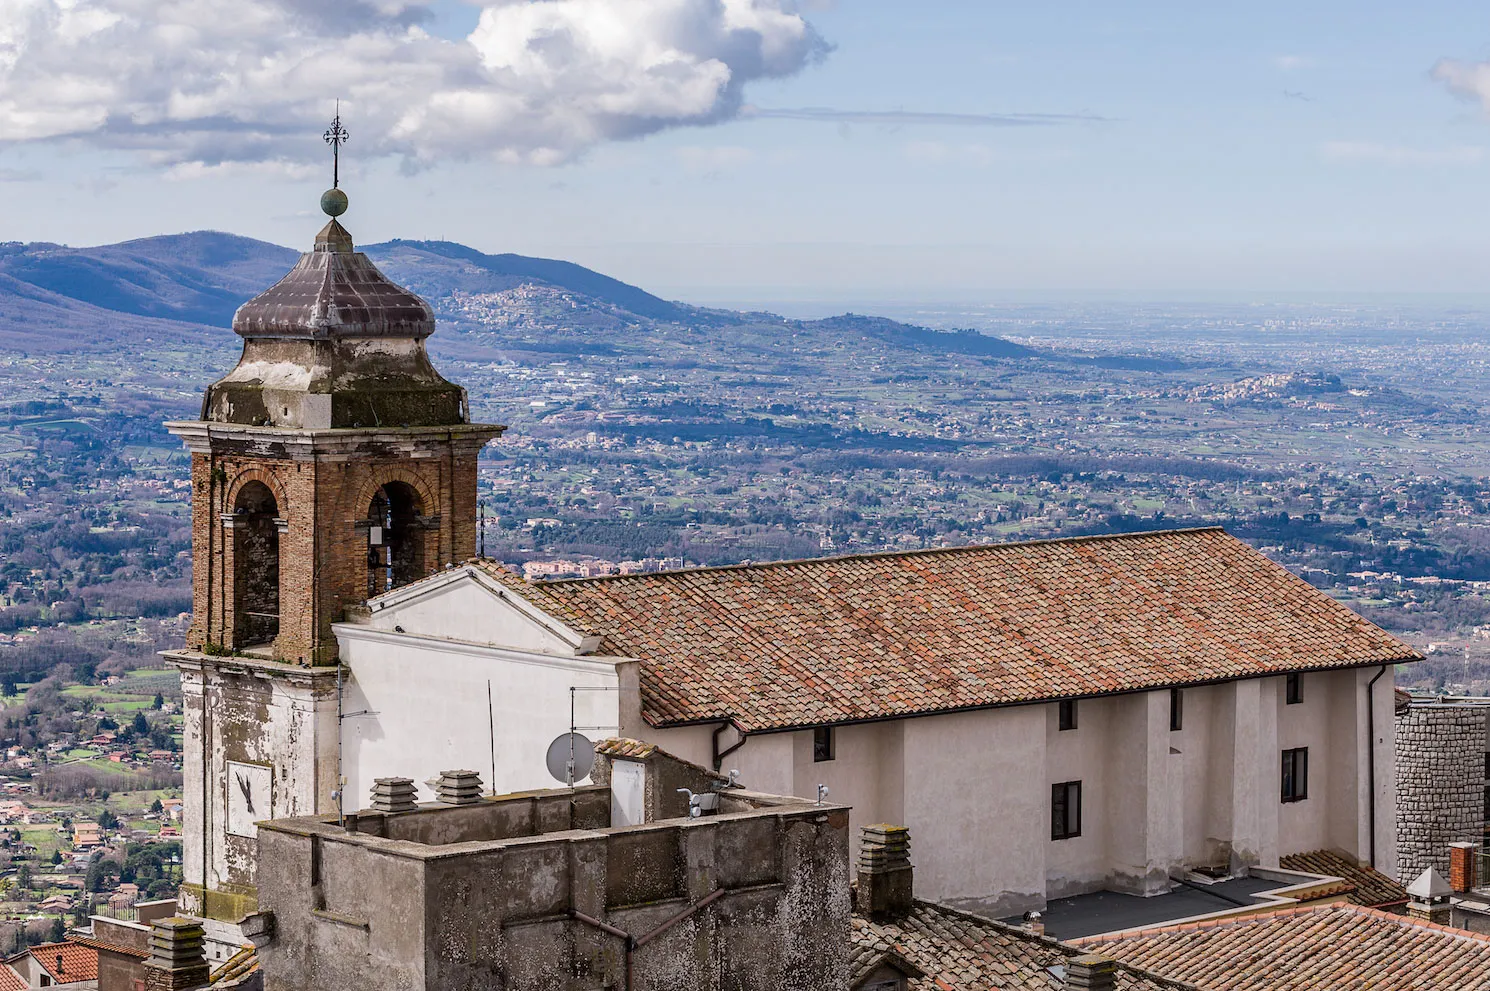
<point>184,288</point>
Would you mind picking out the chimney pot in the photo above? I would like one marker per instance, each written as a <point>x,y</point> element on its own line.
<point>1090,972</point>
<point>177,958</point>
<point>459,787</point>
<point>886,887</point>
<point>394,795</point>
<point>1462,873</point>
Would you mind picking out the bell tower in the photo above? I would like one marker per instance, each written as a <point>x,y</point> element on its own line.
<point>331,464</point>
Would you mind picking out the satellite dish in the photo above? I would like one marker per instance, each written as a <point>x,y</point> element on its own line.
<point>559,754</point>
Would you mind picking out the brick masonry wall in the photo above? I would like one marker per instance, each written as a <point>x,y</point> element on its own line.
<point>323,549</point>
<point>1440,784</point>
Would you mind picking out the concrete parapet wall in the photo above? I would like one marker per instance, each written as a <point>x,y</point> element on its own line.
<point>755,900</point>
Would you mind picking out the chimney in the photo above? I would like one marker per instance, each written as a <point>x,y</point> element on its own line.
<point>1462,873</point>
<point>394,795</point>
<point>459,787</point>
<point>1090,972</point>
<point>885,888</point>
<point>1430,895</point>
<point>177,961</point>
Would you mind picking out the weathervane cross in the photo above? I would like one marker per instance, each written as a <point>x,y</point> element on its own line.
<point>336,136</point>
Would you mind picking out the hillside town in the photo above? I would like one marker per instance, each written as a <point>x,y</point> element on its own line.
<point>404,615</point>
<point>1203,769</point>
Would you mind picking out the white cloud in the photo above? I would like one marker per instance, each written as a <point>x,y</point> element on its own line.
<point>1290,63</point>
<point>1381,154</point>
<point>1468,79</point>
<point>194,84</point>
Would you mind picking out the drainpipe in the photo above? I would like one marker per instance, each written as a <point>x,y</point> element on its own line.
<point>719,755</point>
<point>1371,753</point>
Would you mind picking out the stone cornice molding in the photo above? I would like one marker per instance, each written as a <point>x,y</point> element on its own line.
<point>201,436</point>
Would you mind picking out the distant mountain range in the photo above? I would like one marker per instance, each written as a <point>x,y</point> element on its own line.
<point>182,288</point>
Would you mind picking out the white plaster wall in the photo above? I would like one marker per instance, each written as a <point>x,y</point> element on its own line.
<point>467,609</point>
<point>1082,863</point>
<point>866,772</point>
<point>1201,790</point>
<point>977,804</point>
<point>426,701</point>
<point>1304,826</point>
<point>1385,755</point>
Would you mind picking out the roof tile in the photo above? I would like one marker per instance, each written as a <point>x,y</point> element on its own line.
<point>855,638</point>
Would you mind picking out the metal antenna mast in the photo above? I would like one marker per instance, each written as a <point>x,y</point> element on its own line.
<point>336,136</point>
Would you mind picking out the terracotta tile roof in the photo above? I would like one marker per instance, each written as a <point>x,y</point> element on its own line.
<point>236,967</point>
<point>620,747</point>
<point>1308,949</point>
<point>79,962</point>
<point>962,952</point>
<point>851,638</point>
<point>1367,886</point>
<point>107,947</point>
<point>10,980</point>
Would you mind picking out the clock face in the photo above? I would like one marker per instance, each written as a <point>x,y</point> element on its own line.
<point>249,799</point>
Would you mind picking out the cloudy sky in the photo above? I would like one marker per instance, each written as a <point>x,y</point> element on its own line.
<point>769,150</point>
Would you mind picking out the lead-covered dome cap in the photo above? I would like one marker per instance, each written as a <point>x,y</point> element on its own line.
<point>335,291</point>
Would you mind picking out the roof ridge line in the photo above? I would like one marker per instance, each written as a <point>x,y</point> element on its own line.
<point>880,555</point>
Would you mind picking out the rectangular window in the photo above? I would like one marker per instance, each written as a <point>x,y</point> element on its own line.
<point>1068,713</point>
<point>822,743</point>
<point>1176,709</point>
<point>1487,767</point>
<point>1296,774</point>
<point>1065,810</point>
<point>1295,688</point>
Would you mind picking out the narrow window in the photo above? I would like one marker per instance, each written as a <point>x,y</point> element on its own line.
<point>1068,714</point>
<point>1296,774</point>
<point>1295,688</point>
<point>1065,810</point>
<point>1487,767</point>
<point>1176,709</point>
<point>822,743</point>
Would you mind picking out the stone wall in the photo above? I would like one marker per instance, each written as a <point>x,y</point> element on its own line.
<point>1440,783</point>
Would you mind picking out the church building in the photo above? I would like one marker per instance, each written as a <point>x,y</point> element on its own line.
<point>1048,718</point>
<point>332,464</point>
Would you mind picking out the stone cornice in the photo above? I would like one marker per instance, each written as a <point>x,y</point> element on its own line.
<point>201,436</point>
<point>321,676</point>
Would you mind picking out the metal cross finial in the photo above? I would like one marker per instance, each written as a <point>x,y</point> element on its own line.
<point>336,136</point>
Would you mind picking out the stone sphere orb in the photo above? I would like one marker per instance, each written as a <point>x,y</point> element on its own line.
<point>333,202</point>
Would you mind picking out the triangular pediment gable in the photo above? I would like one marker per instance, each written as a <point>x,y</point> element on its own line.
<point>467,604</point>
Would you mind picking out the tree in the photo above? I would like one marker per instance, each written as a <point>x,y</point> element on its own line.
<point>59,929</point>
<point>108,820</point>
<point>8,686</point>
<point>158,701</point>
<point>157,807</point>
<point>140,726</point>
<point>56,857</point>
<point>23,877</point>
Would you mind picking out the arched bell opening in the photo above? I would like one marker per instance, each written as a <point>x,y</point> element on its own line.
<point>255,566</point>
<point>395,552</point>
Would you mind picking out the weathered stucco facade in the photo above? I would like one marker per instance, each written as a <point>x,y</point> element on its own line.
<point>259,742</point>
<point>541,892</point>
<point>1153,799</point>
